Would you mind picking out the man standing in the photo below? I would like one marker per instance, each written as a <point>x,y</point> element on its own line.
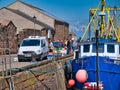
<point>68,46</point>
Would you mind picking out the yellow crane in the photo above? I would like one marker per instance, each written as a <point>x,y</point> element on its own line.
<point>99,17</point>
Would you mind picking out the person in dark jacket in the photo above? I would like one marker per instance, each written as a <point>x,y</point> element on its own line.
<point>68,46</point>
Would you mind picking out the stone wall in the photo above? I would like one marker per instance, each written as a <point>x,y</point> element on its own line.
<point>62,30</point>
<point>48,75</point>
<point>25,33</point>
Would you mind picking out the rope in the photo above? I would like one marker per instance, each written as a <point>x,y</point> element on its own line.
<point>44,72</point>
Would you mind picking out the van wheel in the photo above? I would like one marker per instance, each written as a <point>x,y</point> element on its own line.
<point>45,57</point>
<point>20,60</point>
<point>40,58</point>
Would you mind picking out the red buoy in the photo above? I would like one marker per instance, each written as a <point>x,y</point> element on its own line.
<point>81,76</point>
<point>70,83</point>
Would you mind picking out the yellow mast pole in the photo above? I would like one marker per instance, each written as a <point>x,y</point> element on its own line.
<point>89,24</point>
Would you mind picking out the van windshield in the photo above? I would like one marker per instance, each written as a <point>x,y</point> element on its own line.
<point>30,43</point>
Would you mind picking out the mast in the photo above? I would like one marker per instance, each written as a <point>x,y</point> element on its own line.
<point>101,27</point>
<point>97,60</point>
<point>102,14</point>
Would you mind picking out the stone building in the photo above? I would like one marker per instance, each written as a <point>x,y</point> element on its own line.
<point>8,37</point>
<point>31,20</point>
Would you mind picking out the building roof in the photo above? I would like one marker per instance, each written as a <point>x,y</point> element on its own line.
<point>44,12</point>
<point>29,18</point>
<point>5,22</point>
<point>40,10</point>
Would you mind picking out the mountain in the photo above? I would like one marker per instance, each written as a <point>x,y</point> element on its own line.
<point>77,27</point>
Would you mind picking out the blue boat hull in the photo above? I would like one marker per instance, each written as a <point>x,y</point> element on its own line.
<point>109,71</point>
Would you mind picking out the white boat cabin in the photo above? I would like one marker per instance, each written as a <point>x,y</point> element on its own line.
<point>108,49</point>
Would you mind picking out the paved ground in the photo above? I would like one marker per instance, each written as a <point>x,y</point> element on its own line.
<point>11,61</point>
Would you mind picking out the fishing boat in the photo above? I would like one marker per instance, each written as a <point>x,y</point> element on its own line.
<point>96,65</point>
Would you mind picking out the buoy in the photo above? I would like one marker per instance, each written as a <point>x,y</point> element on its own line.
<point>81,76</point>
<point>70,83</point>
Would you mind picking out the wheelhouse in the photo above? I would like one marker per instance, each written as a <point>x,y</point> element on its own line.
<point>107,49</point>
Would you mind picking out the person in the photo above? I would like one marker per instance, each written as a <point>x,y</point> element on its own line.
<point>68,46</point>
<point>78,46</point>
<point>18,40</point>
<point>73,45</point>
<point>51,46</point>
<point>65,43</point>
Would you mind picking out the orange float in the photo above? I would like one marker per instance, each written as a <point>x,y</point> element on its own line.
<point>70,83</point>
<point>81,76</point>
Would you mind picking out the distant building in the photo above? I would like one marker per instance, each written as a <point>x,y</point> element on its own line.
<point>72,35</point>
<point>31,20</point>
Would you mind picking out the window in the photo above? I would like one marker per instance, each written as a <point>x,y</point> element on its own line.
<point>86,48</point>
<point>100,48</point>
<point>110,48</point>
<point>42,43</point>
<point>119,49</point>
<point>30,42</point>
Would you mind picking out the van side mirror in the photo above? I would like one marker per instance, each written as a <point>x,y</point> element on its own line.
<point>43,45</point>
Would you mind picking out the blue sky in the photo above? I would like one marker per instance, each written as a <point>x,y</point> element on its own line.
<point>68,10</point>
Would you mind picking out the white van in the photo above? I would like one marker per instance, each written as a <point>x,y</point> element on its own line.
<point>36,45</point>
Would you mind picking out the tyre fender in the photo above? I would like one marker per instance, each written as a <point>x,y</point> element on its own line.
<point>68,70</point>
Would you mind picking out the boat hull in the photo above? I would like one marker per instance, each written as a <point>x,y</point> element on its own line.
<point>109,71</point>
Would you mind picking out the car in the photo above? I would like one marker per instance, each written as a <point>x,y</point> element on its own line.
<point>59,49</point>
